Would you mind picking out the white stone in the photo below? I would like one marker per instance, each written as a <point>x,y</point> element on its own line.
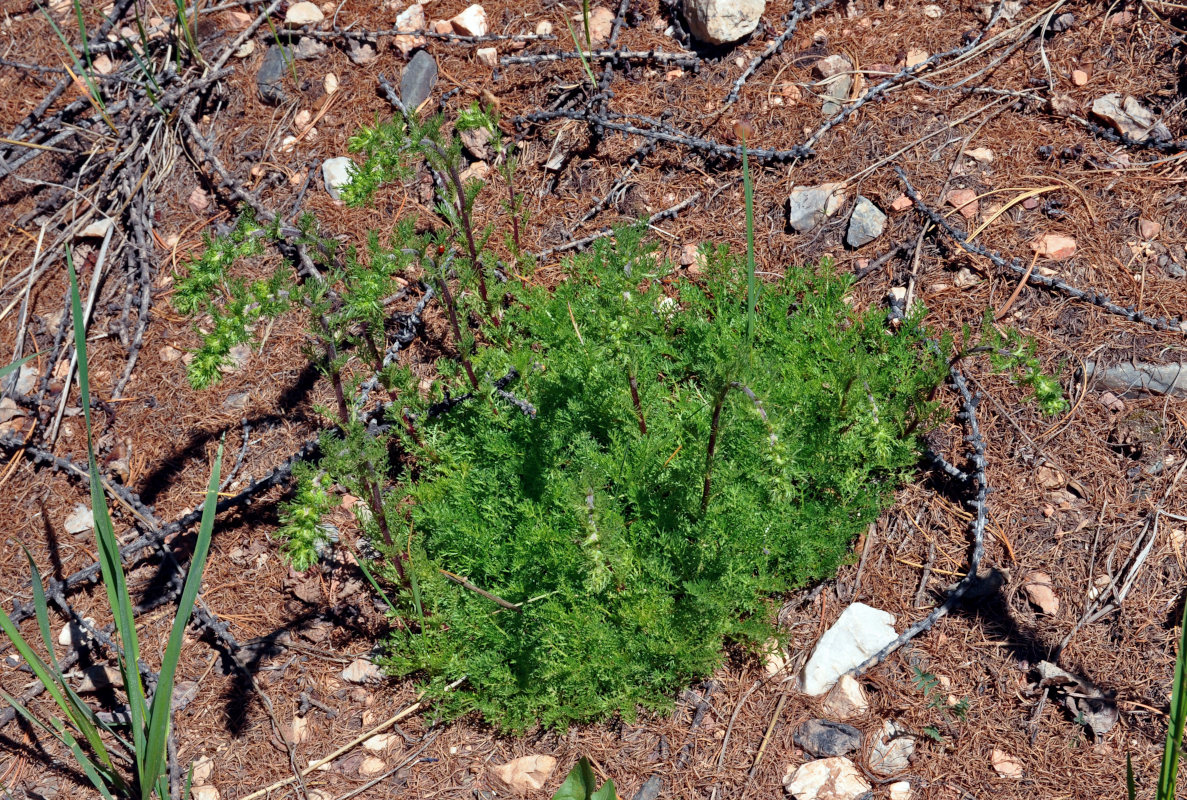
<point>379,742</point>
<point>488,56</point>
<point>933,12</point>
<point>203,769</point>
<point>827,779</point>
<point>846,699</point>
<point>300,14</point>
<point>860,632</point>
<point>982,155</point>
<point>471,22</point>
<point>544,28</point>
<point>892,751</point>
<point>72,634</point>
<point>722,21</point>
<point>775,660</point>
<point>246,49</point>
<point>336,174</point>
<point>900,790</point>
<point>329,83</point>
<point>205,792</point>
<point>97,229</point>
<point>80,520</point>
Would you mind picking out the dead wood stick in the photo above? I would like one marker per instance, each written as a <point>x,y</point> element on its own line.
<point>460,581</point>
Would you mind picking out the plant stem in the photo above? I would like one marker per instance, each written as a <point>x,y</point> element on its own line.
<point>372,488</point>
<point>464,217</point>
<point>335,374</point>
<point>638,405</point>
<point>457,331</point>
<point>713,426</point>
<point>751,284</point>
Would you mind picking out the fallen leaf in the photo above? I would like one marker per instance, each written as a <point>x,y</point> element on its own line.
<point>526,774</point>
<point>362,671</point>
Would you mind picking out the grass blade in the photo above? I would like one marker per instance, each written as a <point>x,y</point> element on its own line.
<point>1178,716</point>
<point>748,187</point>
<point>152,766</point>
<point>8,369</point>
<point>101,778</point>
<point>580,52</point>
<point>108,546</point>
<point>1131,787</point>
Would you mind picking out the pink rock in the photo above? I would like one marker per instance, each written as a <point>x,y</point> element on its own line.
<point>1030,203</point>
<point>901,203</point>
<point>488,56</point>
<point>965,201</point>
<point>1149,229</point>
<point>410,19</point>
<point>1039,592</point>
<point>1079,77</point>
<point>1054,246</point>
<point>442,26</point>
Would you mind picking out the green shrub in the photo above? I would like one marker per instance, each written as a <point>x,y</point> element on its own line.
<point>629,584</point>
<point>610,480</point>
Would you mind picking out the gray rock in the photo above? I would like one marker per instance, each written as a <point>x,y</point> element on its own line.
<point>1133,379</point>
<point>893,750</point>
<point>865,224</point>
<point>308,48</point>
<point>837,73</point>
<point>722,21</point>
<point>823,738</point>
<point>1129,118</point>
<point>808,206</point>
<point>418,80</point>
<point>336,174</point>
<point>270,75</point>
<point>1174,270</point>
<point>1063,22</point>
<point>361,53</point>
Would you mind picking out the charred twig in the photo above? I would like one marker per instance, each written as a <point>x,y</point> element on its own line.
<point>1016,265</point>
<point>646,56</point>
<point>460,581</point>
<point>577,244</point>
<point>156,535</point>
<point>792,21</point>
<point>732,152</point>
<point>447,38</point>
<point>901,76</point>
<point>977,503</point>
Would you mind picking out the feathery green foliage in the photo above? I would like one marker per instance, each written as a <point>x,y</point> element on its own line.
<point>609,480</point>
<point>629,586</point>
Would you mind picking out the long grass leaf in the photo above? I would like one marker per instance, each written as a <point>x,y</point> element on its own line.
<point>102,779</point>
<point>41,609</point>
<point>80,714</point>
<point>153,766</point>
<point>107,544</point>
<point>1178,716</point>
<point>8,369</point>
